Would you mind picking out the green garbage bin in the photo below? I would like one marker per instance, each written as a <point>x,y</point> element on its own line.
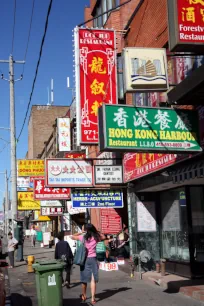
<point>39,236</point>
<point>48,275</point>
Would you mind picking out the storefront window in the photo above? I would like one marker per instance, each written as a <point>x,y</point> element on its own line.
<point>174,225</point>
<point>197,208</point>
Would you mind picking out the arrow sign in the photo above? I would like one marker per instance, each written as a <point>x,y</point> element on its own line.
<point>168,144</point>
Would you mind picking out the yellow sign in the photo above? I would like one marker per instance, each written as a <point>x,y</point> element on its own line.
<point>31,167</point>
<point>26,201</point>
<point>39,218</point>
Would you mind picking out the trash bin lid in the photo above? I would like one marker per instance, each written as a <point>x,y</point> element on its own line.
<point>47,265</point>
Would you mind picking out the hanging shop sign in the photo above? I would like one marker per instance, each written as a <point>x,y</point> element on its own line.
<point>106,158</point>
<point>51,211</point>
<point>96,81</point>
<point>146,217</point>
<point>51,203</point>
<point>97,198</point>
<point>75,155</point>
<point>130,128</point>
<point>111,222</point>
<point>64,138</point>
<point>136,165</point>
<point>41,192</point>
<point>186,25</point>
<point>74,211</point>
<point>26,201</point>
<point>32,178</point>
<point>69,173</point>
<point>23,182</point>
<point>30,167</point>
<point>145,69</point>
<point>108,174</point>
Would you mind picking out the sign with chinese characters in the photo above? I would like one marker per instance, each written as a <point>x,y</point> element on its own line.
<point>97,199</point>
<point>105,158</point>
<point>136,165</point>
<point>146,217</point>
<point>131,128</point>
<point>41,192</point>
<point>111,222</point>
<point>64,138</point>
<point>51,203</point>
<point>30,167</point>
<point>51,211</point>
<point>108,174</point>
<point>23,182</point>
<point>74,211</point>
<point>26,201</point>
<point>69,173</point>
<point>75,155</point>
<point>32,178</point>
<point>96,81</point>
<point>145,69</point>
<point>186,25</point>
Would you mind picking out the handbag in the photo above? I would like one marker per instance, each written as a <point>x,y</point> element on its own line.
<point>80,256</point>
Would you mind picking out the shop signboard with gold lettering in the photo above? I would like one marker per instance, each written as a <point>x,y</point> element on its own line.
<point>186,25</point>
<point>30,167</point>
<point>143,129</point>
<point>26,201</point>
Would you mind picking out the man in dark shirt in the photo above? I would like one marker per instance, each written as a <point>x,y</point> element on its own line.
<point>64,252</point>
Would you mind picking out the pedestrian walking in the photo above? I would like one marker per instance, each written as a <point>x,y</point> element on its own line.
<point>33,235</point>
<point>12,243</point>
<point>64,252</point>
<point>89,272</point>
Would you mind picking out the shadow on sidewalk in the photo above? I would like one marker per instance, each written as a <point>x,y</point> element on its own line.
<point>110,292</point>
<point>74,302</point>
<point>175,286</point>
<point>20,300</point>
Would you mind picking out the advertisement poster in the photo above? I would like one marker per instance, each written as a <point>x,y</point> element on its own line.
<point>111,222</point>
<point>41,192</point>
<point>97,199</point>
<point>146,217</point>
<point>69,173</point>
<point>96,80</point>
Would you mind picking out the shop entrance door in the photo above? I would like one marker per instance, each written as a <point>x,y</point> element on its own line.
<point>197,232</point>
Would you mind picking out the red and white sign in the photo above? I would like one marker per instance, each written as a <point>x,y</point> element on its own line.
<point>69,173</point>
<point>32,178</point>
<point>51,211</point>
<point>41,192</point>
<point>110,221</point>
<point>112,266</point>
<point>75,155</point>
<point>96,80</point>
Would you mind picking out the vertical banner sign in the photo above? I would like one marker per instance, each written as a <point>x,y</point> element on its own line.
<point>64,139</point>
<point>95,62</point>
<point>186,24</point>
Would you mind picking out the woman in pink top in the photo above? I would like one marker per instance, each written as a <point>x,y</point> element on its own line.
<point>89,272</point>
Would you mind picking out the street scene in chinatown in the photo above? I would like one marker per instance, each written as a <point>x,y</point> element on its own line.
<point>101,153</point>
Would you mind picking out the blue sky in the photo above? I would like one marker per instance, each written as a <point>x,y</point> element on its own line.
<point>56,62</point>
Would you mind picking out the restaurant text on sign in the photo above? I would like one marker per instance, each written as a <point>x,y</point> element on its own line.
<point>95,59</point>
<point>41,192</point>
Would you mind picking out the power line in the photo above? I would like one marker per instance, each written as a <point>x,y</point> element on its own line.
<point>29,32</point>
<point>37,67</point>
<point>14,24</point>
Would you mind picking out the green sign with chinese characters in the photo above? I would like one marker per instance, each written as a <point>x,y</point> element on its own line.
<point>138,129</point>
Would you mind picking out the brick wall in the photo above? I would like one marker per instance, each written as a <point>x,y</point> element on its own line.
<point>40,127</point>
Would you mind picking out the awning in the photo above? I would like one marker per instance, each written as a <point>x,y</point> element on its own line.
<point>192,171</point>
<point>190,91</point>
<point>42,219</point>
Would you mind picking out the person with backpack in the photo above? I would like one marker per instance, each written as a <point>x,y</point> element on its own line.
<point>64,253</point>
<point>89,269</point>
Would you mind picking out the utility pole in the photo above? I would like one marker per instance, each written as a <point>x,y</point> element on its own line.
<point>12,135</point>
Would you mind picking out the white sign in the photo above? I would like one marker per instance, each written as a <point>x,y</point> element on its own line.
<point>69,173</point>
<point>145,69</point>
<point>23,182</point>
<point>108,174</point>
<point>51,280</point>
<point>51,211</point>
<point>146,217</point>
<point>51,203</point>
<point>74,211</point>
<point>46,238</point>
<point>66,222</point>
<point>64,138</point>
<point>105,158</point>
<point>112,266</point>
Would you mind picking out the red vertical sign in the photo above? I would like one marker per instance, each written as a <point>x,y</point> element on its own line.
<point>110,221</point>
<point>97,75</point>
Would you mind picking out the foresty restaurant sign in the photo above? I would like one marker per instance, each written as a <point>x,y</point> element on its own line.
<point>41,192</point>
<point>186,24</point>
<point>95,70</point>
<point>138,129</point>
<point>69,173</point>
